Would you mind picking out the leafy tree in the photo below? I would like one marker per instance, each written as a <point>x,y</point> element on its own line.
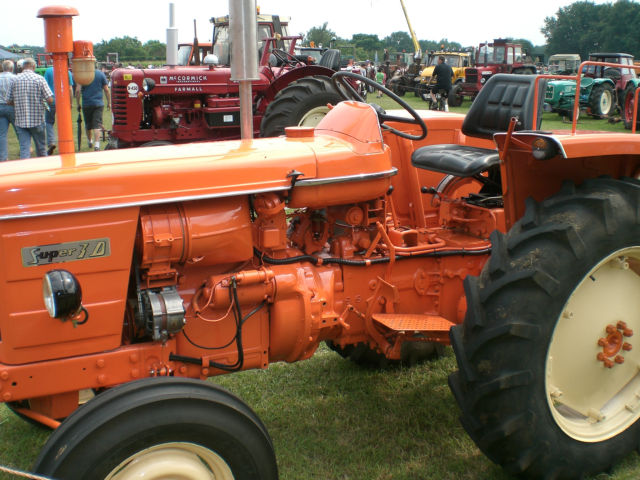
<point>320,35</point>
<point>398,42</point>
<point>584,27</point>
<point>155,50</point>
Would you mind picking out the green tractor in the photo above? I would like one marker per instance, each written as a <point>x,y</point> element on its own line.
<point>602,89</point>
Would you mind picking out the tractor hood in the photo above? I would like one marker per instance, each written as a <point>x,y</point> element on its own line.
<point>151,175</point>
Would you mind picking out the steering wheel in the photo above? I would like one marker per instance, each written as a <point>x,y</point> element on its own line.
<point>285,57</point>
<point>347,92</point>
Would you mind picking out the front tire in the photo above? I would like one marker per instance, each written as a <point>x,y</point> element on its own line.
<point>302,103</point>
<point>601,100</point>
<point>543,327</point>
<point>455,96</point>
<point>160,428</point>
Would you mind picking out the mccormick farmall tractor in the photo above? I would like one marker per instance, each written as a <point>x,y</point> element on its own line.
<point>131,277</point>
<point>182,104</point>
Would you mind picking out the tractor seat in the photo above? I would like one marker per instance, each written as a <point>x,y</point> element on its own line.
<point>504,96</point>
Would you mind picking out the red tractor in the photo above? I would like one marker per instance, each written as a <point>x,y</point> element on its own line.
<point>195,103</point>
<point>501,56</point>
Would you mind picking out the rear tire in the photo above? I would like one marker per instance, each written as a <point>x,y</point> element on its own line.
<point>534,394</point>
<point>166,427</point>
<point>628,106</point>
<point>601,101</point>
<point>302,103</point>
<point>455,96</point>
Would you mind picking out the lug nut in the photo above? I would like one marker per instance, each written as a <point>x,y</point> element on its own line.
<point>626,346</point>
<point>602,342</point>
<point>619,359</point>
<point>611,329</point>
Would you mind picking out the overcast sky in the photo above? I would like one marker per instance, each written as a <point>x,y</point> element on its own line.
<point>464,21</point>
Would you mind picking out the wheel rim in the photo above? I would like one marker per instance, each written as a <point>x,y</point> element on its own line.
<point>313,116</point>
<point>593,364</point>
<point>179,461</point>
<point>605,102</point>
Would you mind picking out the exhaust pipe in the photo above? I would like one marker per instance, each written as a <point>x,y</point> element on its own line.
<point>243,23</point>
<point>172,38</point>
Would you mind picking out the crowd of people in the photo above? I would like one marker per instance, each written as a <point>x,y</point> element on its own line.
<point>27,105</point>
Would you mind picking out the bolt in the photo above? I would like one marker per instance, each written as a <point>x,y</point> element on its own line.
<point>611,329</point>
<point>619,359</point>
<point>102,378</point>
<point>134,373</point>
<point>626,346</point>
<point>4,375</point>
<point>6,396</point>
<point>100,363</point>
<point>133,358</point>
<point>608,363</point>
<point>602,342</point>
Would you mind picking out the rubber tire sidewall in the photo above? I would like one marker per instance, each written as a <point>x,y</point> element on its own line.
<point>514,307</point>
<point>292,103</point>
<point>110,428</point>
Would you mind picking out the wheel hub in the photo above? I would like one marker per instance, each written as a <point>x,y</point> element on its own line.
<point>613,343</point>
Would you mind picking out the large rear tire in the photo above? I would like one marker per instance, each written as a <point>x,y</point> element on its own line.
<point>455,96</point>
<point>541,388</point>
<point>302,103</point>
<point>160,428</point>
<point>628,105</point>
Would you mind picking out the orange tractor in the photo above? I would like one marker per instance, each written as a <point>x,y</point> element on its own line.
<point>130,277</point>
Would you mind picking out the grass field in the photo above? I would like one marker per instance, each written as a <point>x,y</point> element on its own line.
<point>331,420</point>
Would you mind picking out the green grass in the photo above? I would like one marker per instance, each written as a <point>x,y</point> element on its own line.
<point>331,420</point>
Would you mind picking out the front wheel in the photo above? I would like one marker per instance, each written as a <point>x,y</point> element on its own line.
<point>160,428</point>
<point>548,378</point>
<point>455,96</point>
<point>601,100</point>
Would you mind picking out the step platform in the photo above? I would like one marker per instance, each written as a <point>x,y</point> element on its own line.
<point>416,327</point>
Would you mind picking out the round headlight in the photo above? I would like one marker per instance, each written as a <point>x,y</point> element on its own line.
<point>62,294</point>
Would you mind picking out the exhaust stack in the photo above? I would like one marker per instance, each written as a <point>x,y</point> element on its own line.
<point>172,38</point>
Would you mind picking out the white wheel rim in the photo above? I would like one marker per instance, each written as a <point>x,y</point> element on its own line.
<point>177,461</point>
<point>589,401</point>
<point>313,116</point>
<point>605,101</point>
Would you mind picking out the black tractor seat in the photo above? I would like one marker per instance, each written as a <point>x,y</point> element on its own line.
<point>504,96</point>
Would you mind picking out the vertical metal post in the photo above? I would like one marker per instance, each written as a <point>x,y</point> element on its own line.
<point>243,25</point>
<point>172,38</point>
<point>59,42</point>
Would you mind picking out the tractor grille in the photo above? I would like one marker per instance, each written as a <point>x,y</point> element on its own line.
<point>471,75</point>
<point>119,104</point>
<point>548,95</point>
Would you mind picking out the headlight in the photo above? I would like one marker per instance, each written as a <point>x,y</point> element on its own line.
<point>62,294</point>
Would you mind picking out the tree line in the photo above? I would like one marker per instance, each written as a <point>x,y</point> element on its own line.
<point>582,27</point>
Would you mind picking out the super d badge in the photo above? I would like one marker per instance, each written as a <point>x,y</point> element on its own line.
<point>65,252</point>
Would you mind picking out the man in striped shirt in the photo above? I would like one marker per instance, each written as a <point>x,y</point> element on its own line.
<point>29,95</point>
<point>6,111</point>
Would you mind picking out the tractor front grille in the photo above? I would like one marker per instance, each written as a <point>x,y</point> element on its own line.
<point>119,104</point>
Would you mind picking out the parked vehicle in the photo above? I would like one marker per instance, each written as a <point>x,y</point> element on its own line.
<point>563,64</point>
<point>195,103</point>
<point>602,89</point>
<point>500,56</point>
<point>458,61</point>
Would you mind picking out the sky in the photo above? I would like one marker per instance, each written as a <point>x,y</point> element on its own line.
<point>463,21</point>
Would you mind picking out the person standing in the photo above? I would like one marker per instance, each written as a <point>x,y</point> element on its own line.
<point>28,94</point>
<point>92,106</point>
<point>50,116</point>
<point>7,116</point>
<point>444,74</point>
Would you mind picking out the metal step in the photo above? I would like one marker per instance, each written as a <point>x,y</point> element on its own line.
<point>414,323</point>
